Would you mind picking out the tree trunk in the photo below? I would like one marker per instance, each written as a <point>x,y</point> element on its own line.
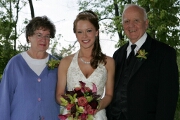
<point>31,8</point>
<point>116,9</point>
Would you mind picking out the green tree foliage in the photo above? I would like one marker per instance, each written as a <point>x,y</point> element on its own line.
<point>8,29</point>
<point>8,19</point>
<point>164,20</point>
<point>163,16</point>
<point>6,53</point>
<point>54,45</point>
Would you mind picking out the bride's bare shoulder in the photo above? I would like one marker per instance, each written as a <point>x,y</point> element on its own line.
<point>110,61</point>
<point>66,60</point>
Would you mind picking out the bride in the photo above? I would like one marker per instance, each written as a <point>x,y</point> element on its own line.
<point>88,64</point>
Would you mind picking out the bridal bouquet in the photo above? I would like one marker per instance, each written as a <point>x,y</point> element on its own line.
<point>81,103</point>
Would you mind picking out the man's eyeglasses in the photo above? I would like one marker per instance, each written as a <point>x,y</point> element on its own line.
<point>40,36</point>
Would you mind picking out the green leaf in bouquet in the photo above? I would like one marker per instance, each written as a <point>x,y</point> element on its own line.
<point>64,102</point>
<point>89,98</point>
<point>90,117</point>
<point>79,109</point>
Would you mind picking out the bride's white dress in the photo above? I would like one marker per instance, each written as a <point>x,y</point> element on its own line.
<point>98,77</point>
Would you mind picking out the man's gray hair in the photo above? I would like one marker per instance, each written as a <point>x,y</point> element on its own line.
<point>130,5</point>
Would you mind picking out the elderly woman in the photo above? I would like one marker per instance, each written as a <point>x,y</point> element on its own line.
<point>27,89</point>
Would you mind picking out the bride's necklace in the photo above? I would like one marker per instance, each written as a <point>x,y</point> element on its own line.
<point>84,61</point>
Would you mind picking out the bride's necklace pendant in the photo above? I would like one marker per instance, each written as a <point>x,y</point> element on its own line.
<point>85,62</point>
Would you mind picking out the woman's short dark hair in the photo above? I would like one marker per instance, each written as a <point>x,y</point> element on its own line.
<point>40,23</point>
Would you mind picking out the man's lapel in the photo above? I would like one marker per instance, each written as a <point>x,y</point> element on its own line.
<point>139,61</point>
<point>120,61</point>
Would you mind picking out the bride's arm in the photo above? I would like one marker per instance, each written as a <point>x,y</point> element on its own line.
<point>110,66</point>
<point>62,76</point>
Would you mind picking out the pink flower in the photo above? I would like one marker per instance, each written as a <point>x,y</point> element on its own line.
<point>62,117</point>
<point>69,106</point>
<point>82,101</point>
<point>94,104</point>
<point>78,92</point>
<point>82,84</point>
<point>94,90</point>
<point>87,89</point>
<point>83,116</point>
<point>77,88</point>
<point>89,110</point>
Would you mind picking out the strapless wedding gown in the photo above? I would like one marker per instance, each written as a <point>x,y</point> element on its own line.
<point>98,77</point>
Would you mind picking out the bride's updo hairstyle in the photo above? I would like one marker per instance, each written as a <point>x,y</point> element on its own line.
<point>97,55</point>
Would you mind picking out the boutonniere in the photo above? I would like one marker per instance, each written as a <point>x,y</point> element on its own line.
<point>53,63</point>
<point>142,54</point>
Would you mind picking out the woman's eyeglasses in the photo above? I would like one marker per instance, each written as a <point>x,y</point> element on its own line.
<point>40,36</point>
